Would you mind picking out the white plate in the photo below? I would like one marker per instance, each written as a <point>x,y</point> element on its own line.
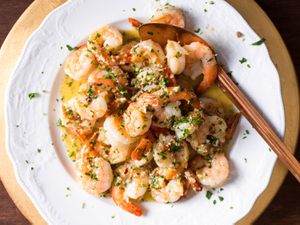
<point>31,124</point>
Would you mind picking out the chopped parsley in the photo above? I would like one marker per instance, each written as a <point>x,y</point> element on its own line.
<point>176,147</point>
<point>243,60</point>
<point>245,134</point>
<point>212,139</point>
<point>39,150</point>
<point>59,123</point>
<point>214,201</point>
<point>70,48</point>
<point>208,194</point>
<point>94,176</point>
<point>164,82</point>
<point>197,30</point>
<point>261,41</point>
<point>221,198</point>
<point>33,95</point>
<point>134,9</point>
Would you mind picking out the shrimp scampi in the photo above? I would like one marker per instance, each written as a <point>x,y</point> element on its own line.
<point>137,117</point>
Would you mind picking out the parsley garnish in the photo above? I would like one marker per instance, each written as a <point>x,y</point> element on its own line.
<point>59,123</point>
<point>94,176</point>
<point>70,48</point>
<point>212,139</point>
<point>197,30</point>
<point>243,60</point>
<point>261,41</point>
<point>33,95</point>
<point>176,147</point>
<point>208,194</point>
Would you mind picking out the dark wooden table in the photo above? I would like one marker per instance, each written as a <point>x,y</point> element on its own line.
<point>285,207</point>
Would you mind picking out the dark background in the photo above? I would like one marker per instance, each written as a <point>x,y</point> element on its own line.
<point>285,14</point>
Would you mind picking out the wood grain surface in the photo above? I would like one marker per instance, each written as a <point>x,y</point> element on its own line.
<point>285,14</point>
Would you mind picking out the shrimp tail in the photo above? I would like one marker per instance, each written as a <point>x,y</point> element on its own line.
<point>143,147</point>
<point>210,76</point>
<point>134,22</point>
<point>183,95</point>
<point>117,194</point>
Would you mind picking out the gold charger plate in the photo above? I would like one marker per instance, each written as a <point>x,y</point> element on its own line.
<point>254,15</point>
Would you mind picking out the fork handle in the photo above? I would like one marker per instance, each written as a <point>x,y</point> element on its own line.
<point>259,123</point>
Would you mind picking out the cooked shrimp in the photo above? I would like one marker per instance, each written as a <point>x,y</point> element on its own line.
<point>115,132</point>
<point>80,114</point>
<point>138,116</point>
<point>125,56</point>
<point>118,153</point>
<point>117,194</point>
<point>107,38</point>
<point>114,153</point>
<point>80,63</point>
<point>211,106</point>
<point>94,172</point>
<point>142,154</point>
<point>75,125</point>
<point>216,173</point>
<point>108,77</point>
<point>89,109</point>
<point>147,53</point>
<point>165,116</point>
<point>163,189</point>
<point>184,126</point>
<point>168,14</point>
<point>150,79</point>
<point>169,152</point>
<point>175,57</point>
<point>192,180</point>
<point>135,180</point>
<point>137,120</point>
<point>209,136</point>
<point>130,183</point>
<point>201,60</point>
<point>164,96</point>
